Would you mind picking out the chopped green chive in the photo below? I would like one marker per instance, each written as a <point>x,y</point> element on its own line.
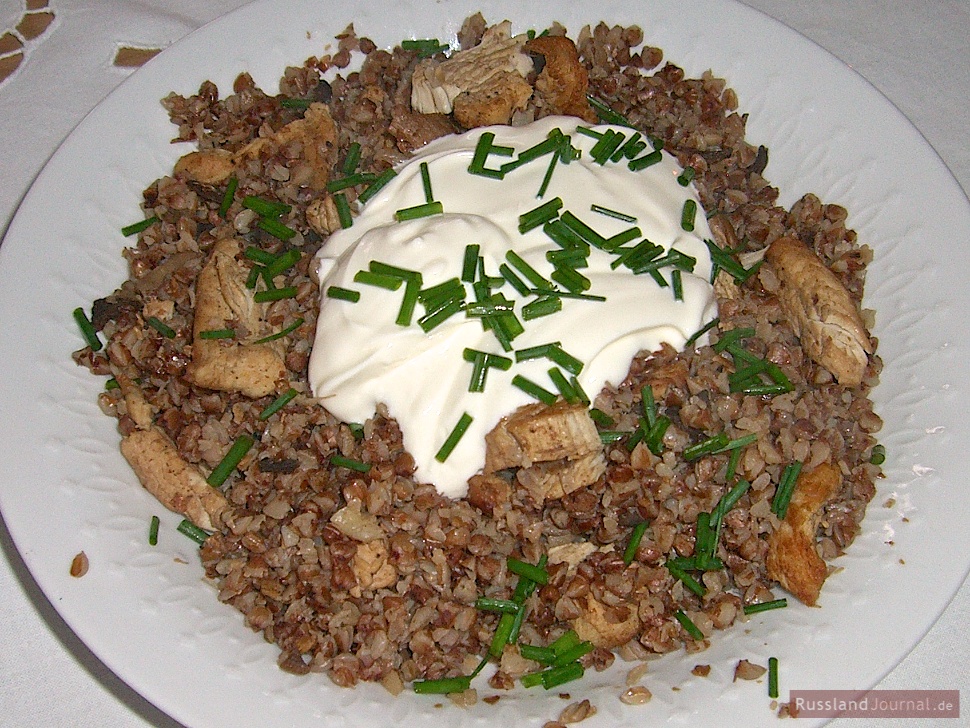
<point>228,196</point>
<point>483,148</point>
<point>529,571</point>
<point>566,294</point>
<point>636,536</point>
<point>426,182</point>
<point>542,306</point>
<point>701,331</point>
<point>382,179</point>
<point>557,676</point>
<point>425,47</point>
<point>539,215</point>
<point>525,269</point>
<point>265,208</point>
<point>161,327</point>
<point>217,334</point>
<point>439,314</point>
<point>677,570</point>
<point>676,284</point>
<point>729,500</point>
<point>687,215</point>
<point>442,686</point>
<point>506,606</point>
<point>380,280</point>
<point>601,418</point>
<point>233,457</point>
<point>111,383</point>
<point>295,103</point>
<point>276,294</point>
<point>339,461</point>
<point>187,528</point>
<point>545,655</point>
<point>583,231</point>
<point>343,294</point>
<point>481,362</point>
<point>686,177</point>
<point>259,256</point>
<point>612,213</point>
<point>878,456</point>
<point>280,334</point>
<point>277,404</point>
<point>426,209</point>
<point>343,210</point>
<point>87,329</point>
<point>533,389</point>
<point>153,531</point>
<point>564,386</point>
<point>647,160</point>
<point>282,263</point>
<point>607,114</point>
<point>352,159</point>
<point>786,486</point>
<point>723,260</point>
<point>555,353</point>
<point>351,180</point>
<point>470,262</point>
<point>452,440</point>
<point>140,226</point>
<point>772,677</point>
<point>765,606</point>
<point>706,447</point>
<point>689,627</point>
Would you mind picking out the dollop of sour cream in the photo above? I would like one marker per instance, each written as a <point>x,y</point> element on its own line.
<point>362,357</point>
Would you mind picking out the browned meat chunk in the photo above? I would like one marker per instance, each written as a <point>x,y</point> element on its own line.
<point>556,448</point>
<point>821,310</point>
<point>793,559</point>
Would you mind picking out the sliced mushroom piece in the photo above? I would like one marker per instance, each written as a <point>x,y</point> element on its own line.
<point>606,626</point>
<point>177,484</point>
<point>793,560</point>
<point>821,310</point>
<point>221,297</point>
<point>563,83</point>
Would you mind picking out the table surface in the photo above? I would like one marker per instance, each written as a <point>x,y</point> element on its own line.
<point>915,53</point>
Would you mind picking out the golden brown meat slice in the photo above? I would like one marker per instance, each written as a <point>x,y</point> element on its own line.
<point>793,559</point>
<point>481,85</point>
<point>178,485</point>
<point>539,433</point>
<point>555,447</point>
<point>557,478</point>
<point>222,301</point>
<point>563,82</point>
<point>821,310</point>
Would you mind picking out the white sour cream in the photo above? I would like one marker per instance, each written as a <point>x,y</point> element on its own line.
<point>361,357</point>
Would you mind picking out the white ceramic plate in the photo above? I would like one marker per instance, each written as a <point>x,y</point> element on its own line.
<point>148,614</point>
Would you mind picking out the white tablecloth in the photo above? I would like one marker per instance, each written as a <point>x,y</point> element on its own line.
<point>915,52</point>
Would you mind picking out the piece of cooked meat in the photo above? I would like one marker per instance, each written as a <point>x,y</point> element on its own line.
<point>793,559</point>
<point>221,297</point>
<point>556,449</point>
<point>481,85</point>
<point>177,484</point>
<point>821,310</point>
<point>540,433</point>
